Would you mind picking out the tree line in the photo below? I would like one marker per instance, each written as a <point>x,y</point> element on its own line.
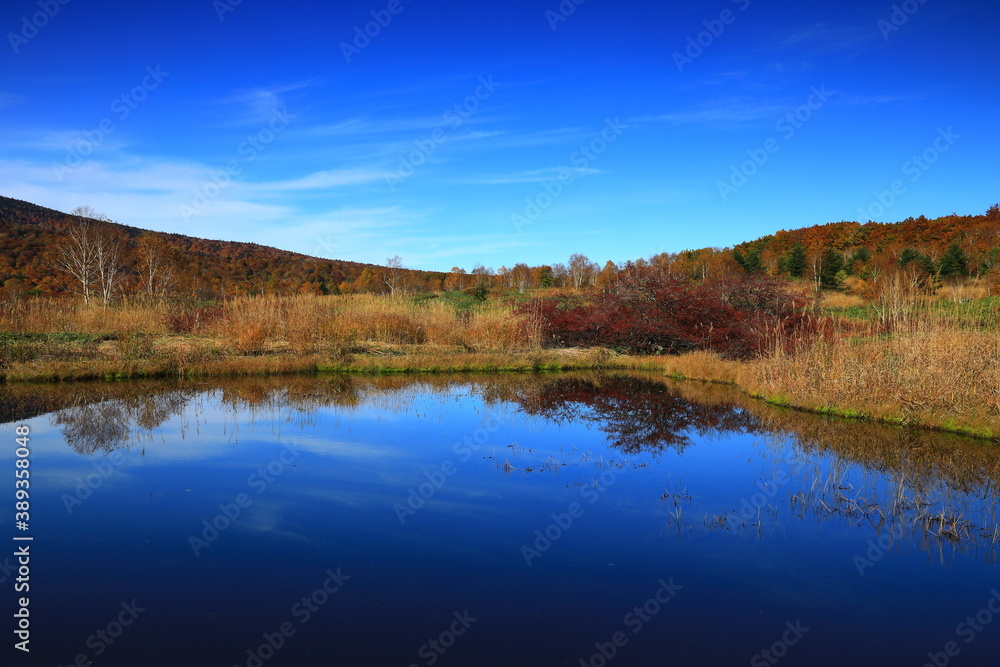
<point>89,255</point>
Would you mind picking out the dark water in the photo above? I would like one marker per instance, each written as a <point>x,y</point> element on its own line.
<point>515,520</point>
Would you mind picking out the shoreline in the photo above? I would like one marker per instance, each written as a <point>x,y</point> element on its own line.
<point>195,362</point>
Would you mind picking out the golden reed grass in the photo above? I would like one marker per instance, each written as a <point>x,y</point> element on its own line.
<point>304,323</point>
<point>70,316</point>
<point>916,359</point>
<point>310,323</point>
<point>925,369</point>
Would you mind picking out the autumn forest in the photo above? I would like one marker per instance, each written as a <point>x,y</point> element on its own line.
<point>843,256</point>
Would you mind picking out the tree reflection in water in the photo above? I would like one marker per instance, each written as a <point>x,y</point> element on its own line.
<point>942,490</point>
<point>639,414</point>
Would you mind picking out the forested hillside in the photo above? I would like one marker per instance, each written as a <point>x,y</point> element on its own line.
<point>834,255</point>
<point>30,239</point>
<point>950,246</point>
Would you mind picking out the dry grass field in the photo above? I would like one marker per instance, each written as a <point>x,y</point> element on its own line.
<point>902,356</point>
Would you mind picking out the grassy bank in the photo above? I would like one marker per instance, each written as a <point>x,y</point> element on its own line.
<point>922,369</point>
<point>170,357</point>
<point>928,362</point>
<point>62,340</point>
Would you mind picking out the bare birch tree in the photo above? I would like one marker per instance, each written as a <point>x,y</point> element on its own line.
<point>156,265</point>
<point>394,273</point>
<point>92,253</point>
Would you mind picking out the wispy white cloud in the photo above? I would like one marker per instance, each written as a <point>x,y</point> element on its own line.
<point>429,251</point>
<point>853,98</point>
<point>725,113</point>
<point>334,178</point>
<point>826,38</point>
<point>477,135</point>
<point>257,105</point>
<point>531,176</point>
<point>546,137</point>
<point>366,126</point>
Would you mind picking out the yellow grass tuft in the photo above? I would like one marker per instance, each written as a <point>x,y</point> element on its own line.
<point>836,300</point>
<point>926,371</point>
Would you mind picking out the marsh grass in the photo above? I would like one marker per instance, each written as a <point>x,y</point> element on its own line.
<point>67,316</point>
<point>934,364</point>
<point>907,358</point>
<point>904,357</point>
<point>308,324</point>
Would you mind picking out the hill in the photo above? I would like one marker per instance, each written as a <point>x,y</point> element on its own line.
<point>949,245</point>
<point>205,269</point>
<point>928,250</point>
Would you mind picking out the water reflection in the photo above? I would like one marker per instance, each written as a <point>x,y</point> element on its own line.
<point>764,515</point>
<point>638,413</point>
<point>932,490</point>
<point>937,490</point>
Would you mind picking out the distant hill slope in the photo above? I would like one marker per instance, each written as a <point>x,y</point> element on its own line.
<point>978,236</point>
<point>209,269</point>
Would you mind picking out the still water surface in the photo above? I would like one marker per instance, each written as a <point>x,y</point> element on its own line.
<point>518,520</point>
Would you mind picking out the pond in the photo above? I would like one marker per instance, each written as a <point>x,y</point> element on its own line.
<point>561,519</point>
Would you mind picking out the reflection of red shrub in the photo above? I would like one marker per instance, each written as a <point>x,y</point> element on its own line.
<point>645,310</point>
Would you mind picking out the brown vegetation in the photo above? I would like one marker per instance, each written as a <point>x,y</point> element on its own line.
<point>906,357</point>
<point>906,331</point>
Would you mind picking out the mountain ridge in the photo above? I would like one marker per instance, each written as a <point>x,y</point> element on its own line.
<point>28,234</point>
<point>212,268</point>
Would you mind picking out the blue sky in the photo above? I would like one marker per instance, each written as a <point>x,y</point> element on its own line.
<point>501,132</point>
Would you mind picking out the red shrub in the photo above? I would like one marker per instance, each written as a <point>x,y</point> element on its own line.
<point>645,310</point>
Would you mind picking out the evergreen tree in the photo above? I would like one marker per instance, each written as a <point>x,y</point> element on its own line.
<point>927,264</point>
<point>795,261</point>
<point>861,256</point>
<point>833,263</point>
<point>749,262</point>
<point>908,255</point>
<point>955,262</point>
<point>545,277</point>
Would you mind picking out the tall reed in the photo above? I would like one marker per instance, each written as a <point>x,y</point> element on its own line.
<point>924,368</point>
